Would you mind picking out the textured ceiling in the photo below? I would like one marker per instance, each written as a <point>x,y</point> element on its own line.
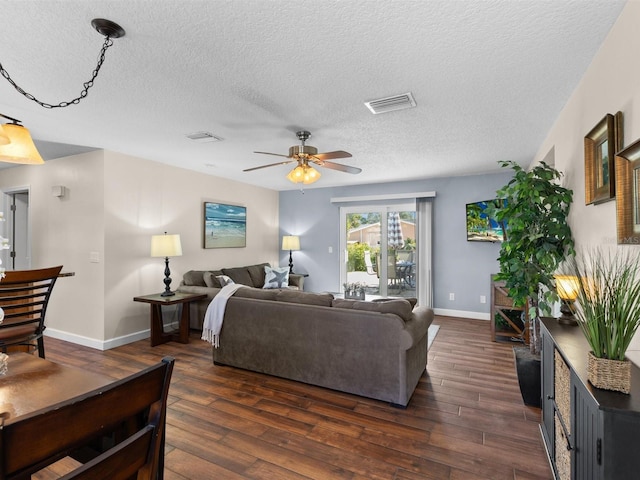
<point>489,78</point>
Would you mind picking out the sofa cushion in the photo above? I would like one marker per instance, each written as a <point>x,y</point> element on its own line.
<point>210,279</point>
<point>276,277</point>
<point>256,272</point>
<point>239,275</point>
<point>412,300</point>
<point>194,278</point>
<point>294,296</point>
<point>256,293</point>
<point>397,306</point>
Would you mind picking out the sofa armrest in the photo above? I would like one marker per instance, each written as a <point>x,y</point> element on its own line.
<point>417,326</point>
<point>296,280</point>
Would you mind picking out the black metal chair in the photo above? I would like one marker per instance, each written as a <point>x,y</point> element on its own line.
<point>24,296</point>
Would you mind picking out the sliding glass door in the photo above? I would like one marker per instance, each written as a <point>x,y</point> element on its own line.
<point>378,249</point>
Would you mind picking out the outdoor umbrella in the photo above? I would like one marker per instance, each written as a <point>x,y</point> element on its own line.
<point>394,231</point>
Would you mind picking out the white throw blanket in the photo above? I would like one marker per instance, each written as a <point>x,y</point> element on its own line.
<point>215,314</point>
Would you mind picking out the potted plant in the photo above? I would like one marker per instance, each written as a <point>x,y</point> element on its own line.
<point>538,239</point>
<point>607,308</point>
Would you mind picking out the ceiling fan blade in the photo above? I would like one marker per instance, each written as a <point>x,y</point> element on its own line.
<point>270,165</point>
<point>276,154</point>
<point>331,155</point>
<point>339,166</point>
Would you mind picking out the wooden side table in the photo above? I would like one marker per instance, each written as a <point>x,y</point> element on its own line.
<point>157,301</point>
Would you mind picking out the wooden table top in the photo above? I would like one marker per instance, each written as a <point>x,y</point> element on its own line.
<point>178,297</point>
<point>32,383</point>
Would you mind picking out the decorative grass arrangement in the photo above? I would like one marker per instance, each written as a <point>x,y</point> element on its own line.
<point>608,312</point>
<point>608,303</point>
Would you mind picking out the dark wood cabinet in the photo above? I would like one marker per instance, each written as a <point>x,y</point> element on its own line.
<point>592,434</point>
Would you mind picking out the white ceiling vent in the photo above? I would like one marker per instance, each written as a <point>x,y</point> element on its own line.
<point>389,104</point>
<point>203,137</point>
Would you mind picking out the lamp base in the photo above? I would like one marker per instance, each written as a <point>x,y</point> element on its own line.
<point>567,317</point>
<point>290,262</point>
<point>167,280</point>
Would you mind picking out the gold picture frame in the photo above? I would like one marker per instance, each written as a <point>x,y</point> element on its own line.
<point>628,195</point>
<point>600,147</point>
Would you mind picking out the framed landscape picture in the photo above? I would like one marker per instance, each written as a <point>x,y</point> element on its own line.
<point>225,226</point>
<point>600,147</point>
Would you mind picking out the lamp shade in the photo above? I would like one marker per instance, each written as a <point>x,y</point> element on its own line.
<point>166,246</point>
<point>290,242</point>
<point>4,138</point>
<point>567,287</point>
<point>21,148</point>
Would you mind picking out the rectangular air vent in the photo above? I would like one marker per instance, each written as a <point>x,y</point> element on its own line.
<point>203,137</point>
<point>389,104</point>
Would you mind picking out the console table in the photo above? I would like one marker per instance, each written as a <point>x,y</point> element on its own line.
<point>589,433</point>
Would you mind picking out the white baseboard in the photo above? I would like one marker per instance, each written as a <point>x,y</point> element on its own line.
<point>97,344</point>
<point>462,313</point>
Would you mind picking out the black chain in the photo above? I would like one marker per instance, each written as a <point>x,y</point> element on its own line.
<point>87,85</point>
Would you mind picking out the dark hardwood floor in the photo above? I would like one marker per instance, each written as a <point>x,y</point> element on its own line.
<point>466,420</point>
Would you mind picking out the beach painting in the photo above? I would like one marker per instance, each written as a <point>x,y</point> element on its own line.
<point>481,227</point>
<point>225,226</point>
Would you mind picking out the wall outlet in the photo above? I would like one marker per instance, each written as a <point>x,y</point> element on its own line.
<point>452,296</point>
<point>330,249</point>
<point>94,257</point>
<point>483,299</point>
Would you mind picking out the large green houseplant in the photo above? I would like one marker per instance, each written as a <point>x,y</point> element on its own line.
<point>538,239</point>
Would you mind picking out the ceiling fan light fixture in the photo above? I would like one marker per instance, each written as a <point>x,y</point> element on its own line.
<point>304,174</point>
<point>21,148</point>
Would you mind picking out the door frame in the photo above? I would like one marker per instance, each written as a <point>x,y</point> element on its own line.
<point>8,227</point>
<point>383,209</point>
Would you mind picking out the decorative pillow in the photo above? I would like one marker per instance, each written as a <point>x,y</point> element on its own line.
<point>277,277</point>
<point>224,280</point>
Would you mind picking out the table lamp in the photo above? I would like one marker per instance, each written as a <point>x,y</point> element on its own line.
<point>567,287</point>
<point>291,243</point>
<point>166,246</point>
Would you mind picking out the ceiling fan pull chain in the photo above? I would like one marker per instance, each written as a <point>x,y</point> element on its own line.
<point>87,85</point>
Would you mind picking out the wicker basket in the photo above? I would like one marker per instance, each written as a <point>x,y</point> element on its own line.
<point>609,374</point>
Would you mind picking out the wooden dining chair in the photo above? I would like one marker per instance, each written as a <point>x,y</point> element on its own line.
<point>130,412</point>
<point>24,296</point>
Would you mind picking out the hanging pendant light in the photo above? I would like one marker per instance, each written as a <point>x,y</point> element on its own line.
<point>20,148</point>
<point>16,144</point>
<point>4,138</point>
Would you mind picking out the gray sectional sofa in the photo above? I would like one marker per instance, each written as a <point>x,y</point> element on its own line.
<point>373,349</point>
<point>205,281</point>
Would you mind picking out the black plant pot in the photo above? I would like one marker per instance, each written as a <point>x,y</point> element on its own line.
<point>529,376</point>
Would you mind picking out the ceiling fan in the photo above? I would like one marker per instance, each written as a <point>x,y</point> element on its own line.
<point>306,154</point>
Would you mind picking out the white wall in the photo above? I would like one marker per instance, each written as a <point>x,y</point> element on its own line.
<point>114,203</point>
<point>610,84</point>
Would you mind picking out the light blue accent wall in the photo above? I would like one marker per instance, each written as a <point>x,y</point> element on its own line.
<point>459,266</point>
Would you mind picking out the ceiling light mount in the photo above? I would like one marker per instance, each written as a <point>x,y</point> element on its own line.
<point>107,28</point>
<point>110,30</point>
